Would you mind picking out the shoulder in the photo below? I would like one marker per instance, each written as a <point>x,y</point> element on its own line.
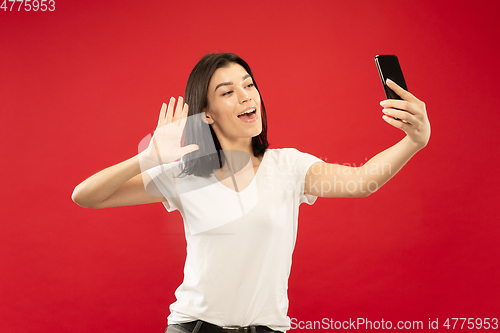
<point>282,153</point>
<point>288,154</point>
<point>163,177</point>
<point>164,170</point>
<point>291,159</point>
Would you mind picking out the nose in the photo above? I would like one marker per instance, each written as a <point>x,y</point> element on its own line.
<point>242,96</point>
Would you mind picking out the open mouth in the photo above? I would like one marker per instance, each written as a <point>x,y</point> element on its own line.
<point>248,115</point>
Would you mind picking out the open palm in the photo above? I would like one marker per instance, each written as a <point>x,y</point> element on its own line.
<point>165,145</point>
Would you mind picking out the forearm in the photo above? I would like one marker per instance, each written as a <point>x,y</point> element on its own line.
<point>103,184</point>
<point>383,166</point>
<point>334,180</point>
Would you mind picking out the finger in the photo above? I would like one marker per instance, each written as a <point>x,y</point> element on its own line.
<point>396,123</point>
<point>178,109</point>
<point>189,149</point>
<point>185,112</point>
<point>403,116</point>
<point>162,114</point>
<point>405,95</point>
<point>400,105</point>
<point>170,110</point>
<point>416,108</point>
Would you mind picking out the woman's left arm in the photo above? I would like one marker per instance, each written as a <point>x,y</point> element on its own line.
<point>333,180</point>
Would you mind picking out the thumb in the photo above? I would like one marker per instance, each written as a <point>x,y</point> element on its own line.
<point>189,149</point>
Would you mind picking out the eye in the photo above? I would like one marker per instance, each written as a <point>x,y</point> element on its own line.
<point>227,93</point>
<point>250,85</point>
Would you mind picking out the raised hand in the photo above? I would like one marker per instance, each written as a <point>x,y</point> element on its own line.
<point>411,113</point>
<point>165,145</point>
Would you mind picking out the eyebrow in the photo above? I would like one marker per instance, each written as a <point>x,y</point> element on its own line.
<point>230,83</point>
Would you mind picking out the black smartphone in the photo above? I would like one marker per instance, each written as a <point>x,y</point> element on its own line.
<point>389,68</point>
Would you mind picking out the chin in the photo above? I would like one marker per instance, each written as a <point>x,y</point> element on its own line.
<point>256,132</point>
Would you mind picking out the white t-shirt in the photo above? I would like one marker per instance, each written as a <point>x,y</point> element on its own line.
<point>239,244</point>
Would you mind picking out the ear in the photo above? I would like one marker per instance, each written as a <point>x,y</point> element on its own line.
<point>206,118</point>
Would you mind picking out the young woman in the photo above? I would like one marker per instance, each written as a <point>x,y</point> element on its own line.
<point>239,199</point>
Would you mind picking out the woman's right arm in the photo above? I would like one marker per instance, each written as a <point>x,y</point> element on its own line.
<point>118,185</point>
<point>123,184</point>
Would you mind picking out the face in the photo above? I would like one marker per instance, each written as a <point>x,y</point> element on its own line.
<point>234,105</point>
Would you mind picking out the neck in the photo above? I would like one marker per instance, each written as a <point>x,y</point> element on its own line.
<point>237,153</point>
<point>241,144</point>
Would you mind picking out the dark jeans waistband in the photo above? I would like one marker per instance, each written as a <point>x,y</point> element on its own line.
<point>200,326</point>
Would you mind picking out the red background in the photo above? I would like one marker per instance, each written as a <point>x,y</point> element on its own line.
<point>81,86</point>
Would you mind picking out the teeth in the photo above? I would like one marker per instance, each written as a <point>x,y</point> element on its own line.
<point>247,111</point>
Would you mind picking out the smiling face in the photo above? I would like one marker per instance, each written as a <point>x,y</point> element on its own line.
<point>234,106</point>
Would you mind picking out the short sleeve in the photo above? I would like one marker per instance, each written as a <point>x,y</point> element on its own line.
<point>163,177</point>
<point>301,163</point>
